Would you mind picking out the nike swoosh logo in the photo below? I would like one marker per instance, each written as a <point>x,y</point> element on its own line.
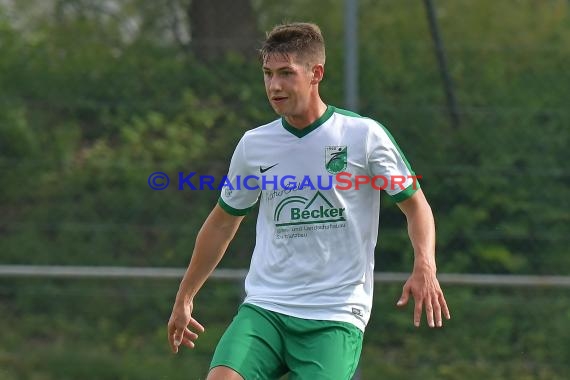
<point>263,170</point>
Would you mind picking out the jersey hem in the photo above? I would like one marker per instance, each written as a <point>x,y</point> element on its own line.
<point>337,317</point>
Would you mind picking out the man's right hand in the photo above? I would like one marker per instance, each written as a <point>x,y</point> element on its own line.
<point>180,320</point>
<point>211,244</point>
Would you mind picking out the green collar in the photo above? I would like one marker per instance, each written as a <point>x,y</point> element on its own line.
<point>305,131</point>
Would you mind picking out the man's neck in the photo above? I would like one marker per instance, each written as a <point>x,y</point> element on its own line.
<point>305,120</point>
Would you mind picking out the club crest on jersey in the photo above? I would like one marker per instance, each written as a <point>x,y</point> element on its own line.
<point>335,158</point>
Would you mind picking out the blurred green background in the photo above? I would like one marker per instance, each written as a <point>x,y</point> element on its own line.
<point>97,95</point>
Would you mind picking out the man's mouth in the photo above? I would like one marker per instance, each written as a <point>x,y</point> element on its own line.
<point>278,99</point>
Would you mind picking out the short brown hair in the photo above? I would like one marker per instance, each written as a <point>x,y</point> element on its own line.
<point>303,39</point>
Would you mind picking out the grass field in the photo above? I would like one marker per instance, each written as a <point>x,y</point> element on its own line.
<point>116,329</point>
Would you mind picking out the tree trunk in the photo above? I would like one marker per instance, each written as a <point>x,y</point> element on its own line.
<point>221,26</point>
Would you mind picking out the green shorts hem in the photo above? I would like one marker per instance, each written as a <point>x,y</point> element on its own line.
<point>232,366</point>
<point>260,344</point>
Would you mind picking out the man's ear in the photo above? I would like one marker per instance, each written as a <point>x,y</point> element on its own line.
<point>318,73</point>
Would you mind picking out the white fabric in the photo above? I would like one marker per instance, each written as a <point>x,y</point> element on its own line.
<point>314,252</point>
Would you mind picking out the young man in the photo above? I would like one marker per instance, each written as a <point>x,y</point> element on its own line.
<point>309,287</point>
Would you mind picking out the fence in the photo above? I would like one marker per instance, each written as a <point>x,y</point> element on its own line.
<point>239,274</point>
<point>109,322</point>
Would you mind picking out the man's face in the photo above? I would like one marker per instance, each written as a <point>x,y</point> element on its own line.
<point>287,84</point>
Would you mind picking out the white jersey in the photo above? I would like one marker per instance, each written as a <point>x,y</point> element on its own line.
<point>316,232</point>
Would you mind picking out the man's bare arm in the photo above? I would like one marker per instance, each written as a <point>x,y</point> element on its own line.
<point>423,284</point>
<point>211,244</point>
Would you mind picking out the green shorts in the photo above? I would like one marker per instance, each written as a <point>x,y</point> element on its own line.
<point>264,345</point>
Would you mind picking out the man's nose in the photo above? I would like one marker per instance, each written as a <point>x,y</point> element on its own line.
<point>274,84</point>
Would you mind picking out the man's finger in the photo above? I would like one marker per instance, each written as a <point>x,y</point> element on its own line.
<point>178,337</point>
<point>196,325</point>
<point>444,307</point>
<point>190,335</point>
<point>437,313</point>
<point>171,330</point>
<point>418,312</point>
<point>429,312</point>
<point>171,342</point>
<point>404,297</point>
<point>188,343</point>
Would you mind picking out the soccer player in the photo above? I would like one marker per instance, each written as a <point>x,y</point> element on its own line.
<point>309,286</point>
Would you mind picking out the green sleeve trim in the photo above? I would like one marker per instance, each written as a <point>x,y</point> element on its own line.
<point>406,193</point>
<point>233,211</point>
